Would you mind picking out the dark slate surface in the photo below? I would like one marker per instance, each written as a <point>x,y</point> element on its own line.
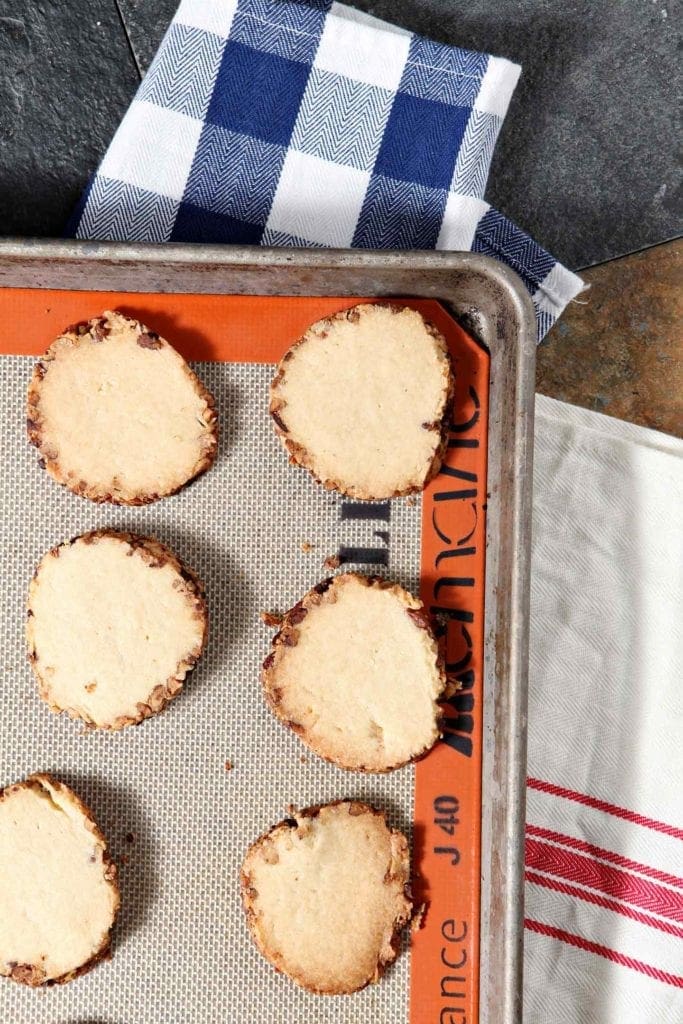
<point>66,78</point>
<point>584,162</point>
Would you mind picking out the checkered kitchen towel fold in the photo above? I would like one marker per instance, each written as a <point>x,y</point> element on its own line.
<point>306,123</point>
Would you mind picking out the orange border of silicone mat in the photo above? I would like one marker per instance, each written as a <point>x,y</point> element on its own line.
<point>445,951</point>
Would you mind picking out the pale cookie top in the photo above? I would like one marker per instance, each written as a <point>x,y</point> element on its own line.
<point>326,896</point>
<point>115,622</point>
<point>355,670</point>
<point>361,400</point>
<point>117,413</point>
<point>58,889</point>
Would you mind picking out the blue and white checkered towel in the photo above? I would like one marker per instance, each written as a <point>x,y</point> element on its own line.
<point>304,122</point>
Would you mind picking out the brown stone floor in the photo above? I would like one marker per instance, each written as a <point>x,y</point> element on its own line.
<point>619,350</point>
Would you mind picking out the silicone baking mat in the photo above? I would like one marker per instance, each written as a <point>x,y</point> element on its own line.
<point>257,531</point>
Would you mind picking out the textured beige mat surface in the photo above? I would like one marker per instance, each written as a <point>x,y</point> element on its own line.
<point>177,821</point>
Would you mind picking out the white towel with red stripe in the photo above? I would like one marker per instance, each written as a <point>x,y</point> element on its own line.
<point>604,834</point>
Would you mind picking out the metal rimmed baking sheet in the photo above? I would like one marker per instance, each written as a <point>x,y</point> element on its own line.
<point>493,305</point>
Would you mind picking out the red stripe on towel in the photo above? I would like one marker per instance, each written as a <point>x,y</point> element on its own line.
<point>598,851</point>
<point>574,867</point>
<point>603,805</point>
<point>602,901</point>
<point>608,954</point>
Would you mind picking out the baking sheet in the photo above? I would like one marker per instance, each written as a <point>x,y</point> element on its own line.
<point>177,821</point>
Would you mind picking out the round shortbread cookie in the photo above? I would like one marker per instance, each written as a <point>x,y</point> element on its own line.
<point>356,672</point>
<point>115,622</point>
<point>326,894</point>
<point>58,890</point>
<point>118,415</point>
<point>362,399</point>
